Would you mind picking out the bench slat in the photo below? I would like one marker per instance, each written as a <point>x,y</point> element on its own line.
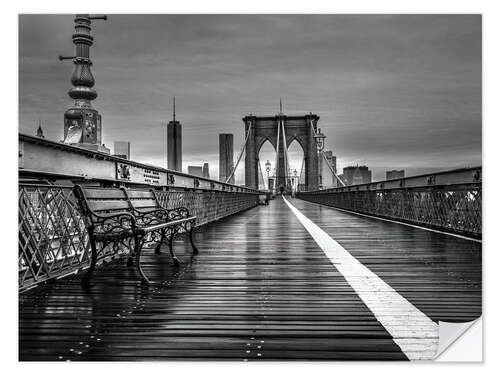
<point>104,193</point>
<point>143,203</point>
<point>106,205</point>
<point>140,194</point>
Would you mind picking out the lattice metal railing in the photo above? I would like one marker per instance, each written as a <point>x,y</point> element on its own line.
<point>53,241</point>
<point>451,208</point>
<point>52,236</point>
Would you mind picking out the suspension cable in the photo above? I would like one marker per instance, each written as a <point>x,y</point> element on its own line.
<point>301,176</point>
<point>277,156</point>
<point>287,166</point>
<point>324,156</point>
<point>331,169</point>
<point>261,176</point>
<point>241,153</point>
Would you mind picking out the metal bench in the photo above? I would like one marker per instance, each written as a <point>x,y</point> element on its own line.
<point>129,218</point>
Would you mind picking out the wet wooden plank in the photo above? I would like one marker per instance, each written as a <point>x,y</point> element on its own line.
<point>260,285</point>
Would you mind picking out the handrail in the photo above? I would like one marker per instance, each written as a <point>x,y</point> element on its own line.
<point>41,156</point>
<point>449,201</point>
<point>472,175</point>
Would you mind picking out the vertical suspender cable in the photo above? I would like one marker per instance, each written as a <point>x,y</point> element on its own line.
<point>285,154</point>
<point>241,153</point>
<point>331,169</point>
<point>261,176</point>
<point>327,163</point>
<point>277,155</point>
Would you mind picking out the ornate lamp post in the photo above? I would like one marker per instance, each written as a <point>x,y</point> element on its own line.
<point>294,182</point>
<point>82,123</point>
<point>268,169</point>
<point>320,145</point>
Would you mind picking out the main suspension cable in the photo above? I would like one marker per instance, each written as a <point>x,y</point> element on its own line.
<point>277,156</point>
<point>331,169</point>
<point>324,156</point>
<point>241,152</point>
<point>285,154</point>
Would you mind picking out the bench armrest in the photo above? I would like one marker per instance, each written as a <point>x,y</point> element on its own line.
<point>178,213</point>
<point>112,222</point>
<point>160,215</point>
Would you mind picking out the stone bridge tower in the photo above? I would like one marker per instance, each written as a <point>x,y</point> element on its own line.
<point>300,128</point>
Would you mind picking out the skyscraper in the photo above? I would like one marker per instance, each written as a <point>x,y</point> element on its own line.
<point>174,144</point>
<point>195,170</point>
<point>122,149</point>
<point>206,171</point>
<point>226,157</point>
<point>329,179</point>
<point>355,175</point>
<point>390,175</point>
<point>39,131</point>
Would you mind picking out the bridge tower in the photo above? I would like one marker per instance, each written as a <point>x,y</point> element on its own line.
<point>286,129</point>
<point>82,123</point>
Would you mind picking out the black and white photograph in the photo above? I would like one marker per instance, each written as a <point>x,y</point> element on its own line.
<point>249,187</point>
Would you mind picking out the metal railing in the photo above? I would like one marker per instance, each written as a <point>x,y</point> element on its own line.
<point>41,159</point>
<point>53,241</point>
<point>449,201</point>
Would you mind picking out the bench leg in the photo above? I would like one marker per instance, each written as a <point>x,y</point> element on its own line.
<point>171,248</point>
<point>93,261</point>
<point>137,250</point>
<point>195,249</point>
<point>158,246</point>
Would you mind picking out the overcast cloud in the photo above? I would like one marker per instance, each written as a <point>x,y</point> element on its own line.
<point>391,91</point>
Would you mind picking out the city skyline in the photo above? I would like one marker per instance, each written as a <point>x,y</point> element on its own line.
<point>389,89</point>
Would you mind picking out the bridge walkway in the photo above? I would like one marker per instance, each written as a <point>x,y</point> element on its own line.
<point>267,285</point>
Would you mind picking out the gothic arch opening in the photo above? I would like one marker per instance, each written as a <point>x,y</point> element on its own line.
<point>267,152</point>
<point>295,159</point>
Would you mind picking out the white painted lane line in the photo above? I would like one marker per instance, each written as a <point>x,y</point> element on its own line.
<point>413,331</point>
<point>400,222</point>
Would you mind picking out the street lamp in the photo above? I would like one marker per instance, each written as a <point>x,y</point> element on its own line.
<point>268,169</point>
<point>320,140</point>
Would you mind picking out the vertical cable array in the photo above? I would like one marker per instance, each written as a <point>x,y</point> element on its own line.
<point>241,152</point>
<point>261,178</point>
<point>277,156</point>
<point>324,157</point>
<point>285,153</point>
<point>331,169</point>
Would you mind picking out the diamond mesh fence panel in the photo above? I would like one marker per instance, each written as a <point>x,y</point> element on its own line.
<point>53,240</point>
<point>52,236</point>
<point>455,209</point>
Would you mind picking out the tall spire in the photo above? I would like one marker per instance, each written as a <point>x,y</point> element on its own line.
<point>174,108</point>
<point>281,107</point>
<point>39,131</point>
<point>174,142</point>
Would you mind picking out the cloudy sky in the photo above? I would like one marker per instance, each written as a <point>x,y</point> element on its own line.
<point>391,91</point>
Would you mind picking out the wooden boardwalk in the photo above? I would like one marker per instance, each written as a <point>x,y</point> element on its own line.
<point>260,289</point>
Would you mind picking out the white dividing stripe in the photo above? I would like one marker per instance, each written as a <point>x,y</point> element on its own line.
<point>411,329</point>
<point>400,222</point>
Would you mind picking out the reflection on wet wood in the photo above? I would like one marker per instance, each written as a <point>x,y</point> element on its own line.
<point>259,289</point>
